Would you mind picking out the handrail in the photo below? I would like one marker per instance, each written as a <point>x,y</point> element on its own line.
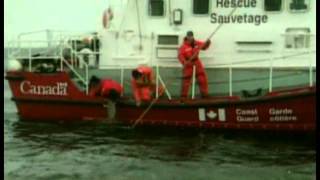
<point>270,75</point>
<point>74,71</point>
<point>75,54</point>
<point>310,73</point>
<point>266,59</point>
<point>230,80</point>
<point>157,81</point>
<point>193,81</point>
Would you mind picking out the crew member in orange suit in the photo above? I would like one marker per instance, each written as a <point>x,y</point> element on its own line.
<point>143,84</point>
<point>187,50</point>
<point>107,88</point>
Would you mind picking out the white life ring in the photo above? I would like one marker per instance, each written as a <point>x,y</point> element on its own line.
<point>107,17</point>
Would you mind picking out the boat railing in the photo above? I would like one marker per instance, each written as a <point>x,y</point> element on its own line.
<point>230,66</point>
<point>271,68</point>
<point>75,56</point>
<point>52,49</point>
<point>62,43</point>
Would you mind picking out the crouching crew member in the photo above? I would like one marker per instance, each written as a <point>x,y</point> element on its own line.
<point>143,84</point>
<point>187,58</point>
<point>107,88</point>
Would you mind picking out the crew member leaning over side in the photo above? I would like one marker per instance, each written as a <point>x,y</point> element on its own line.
<point>188,57</point>
<point>143,84</point>
<point>107,88</point>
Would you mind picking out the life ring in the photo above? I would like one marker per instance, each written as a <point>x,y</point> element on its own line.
<point>107,16</point>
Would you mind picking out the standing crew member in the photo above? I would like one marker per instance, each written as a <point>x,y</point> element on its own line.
<point>189,56</point>
<point>143,84</point>
<point>107,88</point>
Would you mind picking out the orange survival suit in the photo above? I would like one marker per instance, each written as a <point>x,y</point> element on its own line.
<point>143,87</point>
<point>186,51</point>
<point>105,87</point>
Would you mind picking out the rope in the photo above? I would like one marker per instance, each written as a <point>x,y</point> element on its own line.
<point>210,36</point>
<point>149,107</point>
<point>233,10</point>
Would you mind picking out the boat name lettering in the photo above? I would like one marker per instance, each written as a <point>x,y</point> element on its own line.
<point>247,119</point>
<point>256,19</point>
<point>57,89</point>
<point>285,111</point>
<point>281,115</point>
<point>247,115</point>
<point>236,3</point>
<point>246,111</point>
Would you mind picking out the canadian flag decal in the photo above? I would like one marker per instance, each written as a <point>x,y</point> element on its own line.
<point>212,114</point>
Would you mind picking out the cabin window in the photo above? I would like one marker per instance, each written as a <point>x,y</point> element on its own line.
<point>168,40</point>
<point>272,5</point>
<point>156,8</point>
<point>297,38</point>
<point>200,7</point>
<point>298,5</point>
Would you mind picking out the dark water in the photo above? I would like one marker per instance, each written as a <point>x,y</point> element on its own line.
<point>101,151</point>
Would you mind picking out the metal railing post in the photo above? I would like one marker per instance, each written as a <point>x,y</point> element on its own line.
<point>72,50</point>
<point>270,75</point>
<point>310,73</point>
<point>30,59</point>
<point>230,80</point>
<point>87,79</point>
<point>193,81</point>
<point>76,55</point>
<point>165,88</point>
<point>61,57</point>
<point>157,81</point>
<point>121,78</point>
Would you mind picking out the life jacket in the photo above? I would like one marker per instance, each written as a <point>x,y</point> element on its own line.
<point>104,87</point>
<point>109,84</point>
<point>187,50</point>
<point>146,73</point>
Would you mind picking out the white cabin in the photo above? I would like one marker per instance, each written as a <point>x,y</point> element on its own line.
<point>151,31</point>
<point>266,44</point>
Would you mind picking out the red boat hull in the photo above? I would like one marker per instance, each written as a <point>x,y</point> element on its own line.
<point>37,102</point>
<point>295,111</point>
<point>54,97</point>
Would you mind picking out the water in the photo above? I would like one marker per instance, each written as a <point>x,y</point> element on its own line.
<point>101,151</point>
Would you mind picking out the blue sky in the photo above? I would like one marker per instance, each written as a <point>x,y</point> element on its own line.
<point>71,15</point>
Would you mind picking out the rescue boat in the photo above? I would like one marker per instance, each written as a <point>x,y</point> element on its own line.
<point>264,80</point>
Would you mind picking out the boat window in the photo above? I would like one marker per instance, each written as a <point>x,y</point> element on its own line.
<point>156,8</point>
<point>200,7</point>
<point>298,5</point>
<point>272,5</point>
<point>168,40</point>
<point>297,38</point>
